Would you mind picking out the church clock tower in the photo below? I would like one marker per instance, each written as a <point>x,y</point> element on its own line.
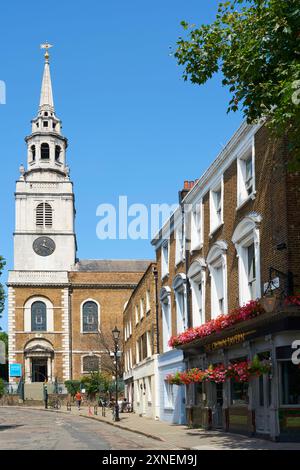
<point>44,238</point>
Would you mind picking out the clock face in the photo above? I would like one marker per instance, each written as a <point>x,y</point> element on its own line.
<point>44,246</point>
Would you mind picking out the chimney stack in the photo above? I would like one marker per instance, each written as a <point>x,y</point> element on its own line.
<point>187,186</point>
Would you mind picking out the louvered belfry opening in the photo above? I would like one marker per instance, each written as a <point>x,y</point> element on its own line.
<point>44,215</point>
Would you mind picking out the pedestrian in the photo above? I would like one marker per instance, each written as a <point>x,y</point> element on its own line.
<point>78,398</point>
<point>46,395</point>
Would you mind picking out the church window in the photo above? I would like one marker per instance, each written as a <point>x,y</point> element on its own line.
<point>38,316</point>
<point>53,125</point>
<point>44,215</point>
<point>45,152</point>
<point>45,123</point>
<point>57,152</point>
<point>33,152</point>
<point>45,114</point>
<point>90,317</point>
<point>90,364</point>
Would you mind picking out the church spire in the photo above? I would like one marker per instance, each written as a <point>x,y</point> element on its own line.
<point>46,100</point>
<point>46,146</point>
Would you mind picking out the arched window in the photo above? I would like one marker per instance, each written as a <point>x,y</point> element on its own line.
<point>44,215</point>
<point>90,364</point>
<point>90,317</point>
<point>57,153</point>
<point>45,152</point>
<point>38,316</point>
<point>246,238</point>
<point>33,152</point>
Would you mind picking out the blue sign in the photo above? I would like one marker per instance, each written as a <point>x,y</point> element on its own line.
<point>15,370</point>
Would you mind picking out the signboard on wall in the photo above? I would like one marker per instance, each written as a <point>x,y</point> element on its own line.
<point>15,370</point>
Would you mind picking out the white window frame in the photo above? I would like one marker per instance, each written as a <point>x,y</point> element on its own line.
<point>216,220</point>
<point>142,309</point>
<point>49,314</point>
<point>242,192</point>
<point>148,301</point>
<point>165,255</point>
<point>149,344</point>
<point>246,233</point>
<point>179,243</point>
<point>81,317</point>
<point>196,226</point>
<point>165,300</point>
<point>136,311</point>
<point>168,395</point>
<point>217,259</point>
<point>197,278</point>
<point>179,286</point>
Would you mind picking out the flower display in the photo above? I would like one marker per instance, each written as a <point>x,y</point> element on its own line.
<point>293,300</point>
<point>239,371</point>
<point>250,310</point>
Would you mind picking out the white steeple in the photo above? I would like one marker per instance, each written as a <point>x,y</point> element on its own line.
<point>46,145</point>
<point>46,100</point>
<point>44,236</point>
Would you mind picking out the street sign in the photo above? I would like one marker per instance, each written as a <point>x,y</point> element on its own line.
<point>2,353</point>
<point>15,370</point>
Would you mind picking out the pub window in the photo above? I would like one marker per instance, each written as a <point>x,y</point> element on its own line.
<point>198,393</point>
<point>290,383</point>
<point>90,364</point>
<point>90,317</point>
<point>45,152</point>
<point>38,316</point>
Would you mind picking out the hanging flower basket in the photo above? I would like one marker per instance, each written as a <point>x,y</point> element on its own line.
<point>239,371</point>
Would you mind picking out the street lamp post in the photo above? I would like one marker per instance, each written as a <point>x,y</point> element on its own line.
<point>116,337</point>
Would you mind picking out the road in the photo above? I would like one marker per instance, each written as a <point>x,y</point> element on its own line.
<point>28,429</point>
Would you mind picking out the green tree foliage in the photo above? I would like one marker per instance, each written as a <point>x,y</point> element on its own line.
<point>2,293</point>
<point>96,382</point>
<point>4,338</point>
<point>73,386</point>
<point>2,388</point>
<point>255,44</point>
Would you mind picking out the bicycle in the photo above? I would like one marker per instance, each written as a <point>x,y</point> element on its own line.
<point>55,403</point>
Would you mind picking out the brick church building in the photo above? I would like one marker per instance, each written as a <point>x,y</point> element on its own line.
<point>59,307</point>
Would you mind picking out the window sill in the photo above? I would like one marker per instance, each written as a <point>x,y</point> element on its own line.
<point>89,332</point>
<point>196,248</point>
<point>251,197</point>
<point>178,262</point>
<point>215,229</point>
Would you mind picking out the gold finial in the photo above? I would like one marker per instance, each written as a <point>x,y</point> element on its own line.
<point>46,46</point>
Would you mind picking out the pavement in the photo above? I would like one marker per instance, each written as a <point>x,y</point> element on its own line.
<point>177,436</point>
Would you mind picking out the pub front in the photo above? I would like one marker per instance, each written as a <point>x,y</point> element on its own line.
<point>266,404</point>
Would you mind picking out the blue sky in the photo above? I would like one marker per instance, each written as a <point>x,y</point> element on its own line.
<point>134,126</point>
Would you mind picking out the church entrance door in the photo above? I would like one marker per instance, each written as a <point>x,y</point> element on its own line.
<point>39,369</point>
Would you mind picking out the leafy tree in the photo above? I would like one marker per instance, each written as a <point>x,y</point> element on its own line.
<point>2,388</point>
<point>96,382</point>
<point>255,44</point>
<point>4,338</point>
<point>73,386</point>
<point>2,293</point>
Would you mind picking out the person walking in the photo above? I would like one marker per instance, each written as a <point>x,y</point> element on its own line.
<point>78,398</point>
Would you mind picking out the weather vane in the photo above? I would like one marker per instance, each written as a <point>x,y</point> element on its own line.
<point>46,46</point>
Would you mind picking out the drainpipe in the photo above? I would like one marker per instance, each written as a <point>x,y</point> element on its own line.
<point>70,292</point>
<point>188,286</point>
<point>155,274</point>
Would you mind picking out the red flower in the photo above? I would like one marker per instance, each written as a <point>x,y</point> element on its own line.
<point>250,310</point>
